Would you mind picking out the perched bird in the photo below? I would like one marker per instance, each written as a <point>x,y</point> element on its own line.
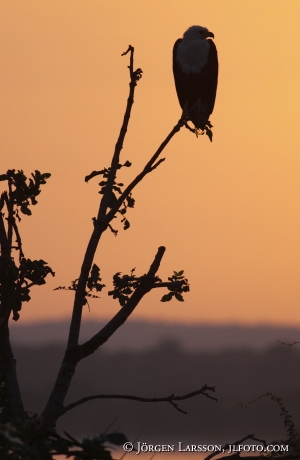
<point>195,68</point>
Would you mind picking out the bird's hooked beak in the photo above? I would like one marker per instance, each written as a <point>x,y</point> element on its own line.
<point>208,34</point>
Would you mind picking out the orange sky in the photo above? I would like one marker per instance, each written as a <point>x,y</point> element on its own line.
<point>228,212</point>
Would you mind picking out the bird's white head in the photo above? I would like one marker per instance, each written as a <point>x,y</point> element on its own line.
<point>192,52</point>
<point>196,33</point>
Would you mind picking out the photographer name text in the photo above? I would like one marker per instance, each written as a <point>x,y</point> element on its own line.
<point>143,447</point>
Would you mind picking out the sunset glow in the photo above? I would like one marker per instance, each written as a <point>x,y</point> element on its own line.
<point>228,212</point>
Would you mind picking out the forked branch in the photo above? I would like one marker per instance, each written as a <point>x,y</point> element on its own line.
<point>150,166</point>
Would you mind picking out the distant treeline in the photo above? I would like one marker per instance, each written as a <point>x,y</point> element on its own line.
<point>138,335</point>
<point>239,375</point>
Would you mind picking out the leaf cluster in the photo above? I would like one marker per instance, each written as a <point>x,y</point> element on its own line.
<point>23,191</point>
<point>15,282</point>
<point>116,190</point>
<point>34,271</point>
<point>178,285</point>
<point>93,284</point>
<point>31,272</point>
<point>124,286</point>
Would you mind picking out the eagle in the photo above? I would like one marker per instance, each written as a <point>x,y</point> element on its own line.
<point>195,68</point>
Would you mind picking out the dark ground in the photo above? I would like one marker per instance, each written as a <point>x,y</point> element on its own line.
<point>239,375</point>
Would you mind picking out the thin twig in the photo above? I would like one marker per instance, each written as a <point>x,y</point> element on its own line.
<point>135,75</point>
<point>150,166</point>
<point>170,399</point>
<point>169,284</point>
<point>100,226</point>
<point>288,344</point>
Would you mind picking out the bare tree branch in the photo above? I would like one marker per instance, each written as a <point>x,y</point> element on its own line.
<point>170,399</point>
<point>135,75</point>
<point>102,222</point>
<point>150,166</point>
<point>168,284</point>
<point>104,218</point>
<point>288,344</point>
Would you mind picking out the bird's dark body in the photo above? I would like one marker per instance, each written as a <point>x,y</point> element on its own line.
<point>197,91</point>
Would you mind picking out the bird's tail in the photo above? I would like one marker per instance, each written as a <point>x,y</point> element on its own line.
<point>198,115</point>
